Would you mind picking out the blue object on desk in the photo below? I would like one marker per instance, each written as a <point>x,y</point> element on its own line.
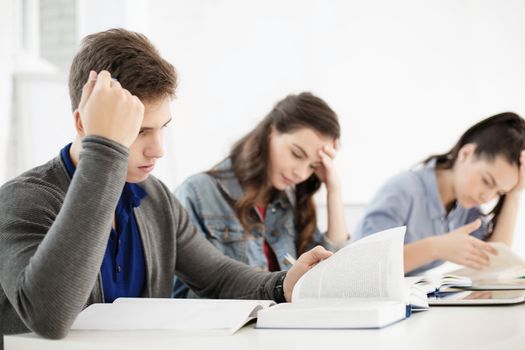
<point>441,294</point>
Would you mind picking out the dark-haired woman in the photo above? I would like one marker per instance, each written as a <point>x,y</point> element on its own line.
<point>256,206</point>
<point>440,201</point>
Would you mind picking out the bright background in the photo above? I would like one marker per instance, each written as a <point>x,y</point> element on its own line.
<point>406,77</point>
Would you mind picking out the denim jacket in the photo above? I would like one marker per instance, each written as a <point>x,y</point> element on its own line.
<point>209,202</point>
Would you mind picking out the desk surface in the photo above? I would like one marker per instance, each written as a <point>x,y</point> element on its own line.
<point>443,328</point>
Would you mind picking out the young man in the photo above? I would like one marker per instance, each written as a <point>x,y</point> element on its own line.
<point>92,225</point>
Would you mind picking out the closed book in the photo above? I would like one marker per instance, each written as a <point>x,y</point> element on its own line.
<point>333,314</point>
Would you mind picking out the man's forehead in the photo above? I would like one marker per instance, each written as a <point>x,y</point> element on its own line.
<point>155,124</point>
<point>157,113</point>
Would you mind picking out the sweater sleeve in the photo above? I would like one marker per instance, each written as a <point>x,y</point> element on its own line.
<point>51,247</point>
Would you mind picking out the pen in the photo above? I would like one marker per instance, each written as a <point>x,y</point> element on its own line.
<point>289,259</point>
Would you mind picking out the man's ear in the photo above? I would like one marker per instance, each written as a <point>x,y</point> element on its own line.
<point>466,152</point>
<point>78,123</point>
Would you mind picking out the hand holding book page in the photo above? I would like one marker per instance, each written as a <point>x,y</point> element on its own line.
<point>302,266</point>
<point>504,266</point>
<point>369,268</point>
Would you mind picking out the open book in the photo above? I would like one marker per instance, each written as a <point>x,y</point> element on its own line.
<point>505,266</point>
<point>360,286</point>
<point>226,316</point>
<point>435,283</point>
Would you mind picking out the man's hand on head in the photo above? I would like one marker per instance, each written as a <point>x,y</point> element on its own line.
<point>107,109</point>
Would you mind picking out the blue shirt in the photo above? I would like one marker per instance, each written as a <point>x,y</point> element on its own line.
<point>123,268</point>
<point>412,199</point>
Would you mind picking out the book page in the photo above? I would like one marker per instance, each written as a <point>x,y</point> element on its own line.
<point>505,265</point>
<point>369,268</point>
<point>172,314</point>
<point>433,283</point>
<point>415,295</point>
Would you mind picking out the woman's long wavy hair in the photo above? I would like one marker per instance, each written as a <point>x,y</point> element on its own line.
<point>250,160</point>
<point>500,135</point>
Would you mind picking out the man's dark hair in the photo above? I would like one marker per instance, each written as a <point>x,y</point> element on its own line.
<point>130,58</point>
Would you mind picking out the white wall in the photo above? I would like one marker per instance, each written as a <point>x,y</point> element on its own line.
<point>43,117</point>
<point>58,31</point>
<point>98,15</point>
<point>406,77</point>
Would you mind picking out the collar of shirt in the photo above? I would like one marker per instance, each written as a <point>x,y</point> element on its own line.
<point>230,185</point>
<point>435,206</point>
<point>131,196</point>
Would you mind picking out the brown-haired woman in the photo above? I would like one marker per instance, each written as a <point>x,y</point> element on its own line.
<point>256,206</point>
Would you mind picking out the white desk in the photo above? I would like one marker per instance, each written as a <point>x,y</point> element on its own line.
<point>443,328</point>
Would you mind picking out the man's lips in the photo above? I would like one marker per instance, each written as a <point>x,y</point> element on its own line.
<point>147,168</point>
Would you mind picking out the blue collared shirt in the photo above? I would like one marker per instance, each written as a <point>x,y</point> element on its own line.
<point>412,199</point>
<point>123,268</point>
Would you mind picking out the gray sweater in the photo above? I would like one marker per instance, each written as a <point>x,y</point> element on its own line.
<point>54,232</point>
